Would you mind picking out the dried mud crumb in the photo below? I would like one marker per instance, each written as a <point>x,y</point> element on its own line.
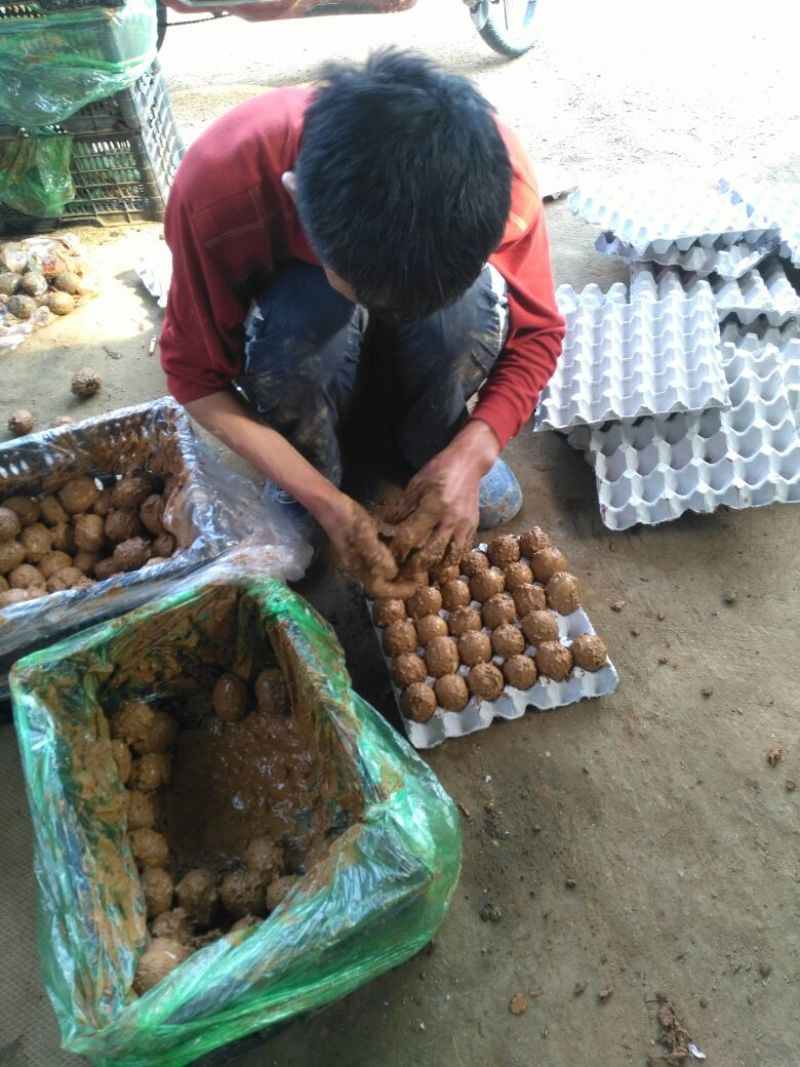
<point>518,1004</point>
<point>775,755</point>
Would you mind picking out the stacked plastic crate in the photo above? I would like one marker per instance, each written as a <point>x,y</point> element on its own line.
<point>672,414</point>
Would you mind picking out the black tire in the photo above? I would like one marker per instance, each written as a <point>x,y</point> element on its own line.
<point>509,27</point>
<point>161,23</point>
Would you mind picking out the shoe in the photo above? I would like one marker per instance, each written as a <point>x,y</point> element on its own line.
<point>500,496</point>
<point>298,521</point>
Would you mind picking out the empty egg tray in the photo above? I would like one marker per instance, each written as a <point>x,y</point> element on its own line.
<point>657,469</point>
<point>624,358</point>
<point>774,204</point>
<point>726,261</point>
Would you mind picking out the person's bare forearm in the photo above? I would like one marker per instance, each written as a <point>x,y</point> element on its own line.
<point>224,415</point>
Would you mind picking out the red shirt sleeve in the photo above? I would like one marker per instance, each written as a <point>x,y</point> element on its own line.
<point>536,329</point>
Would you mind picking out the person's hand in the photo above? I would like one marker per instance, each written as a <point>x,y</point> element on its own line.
<point>439,514</point>
<point>361,553</point>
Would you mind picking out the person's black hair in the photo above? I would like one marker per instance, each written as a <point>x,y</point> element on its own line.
<point>403,182</point>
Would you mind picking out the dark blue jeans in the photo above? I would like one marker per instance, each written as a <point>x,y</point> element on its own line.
<point>305,353</point>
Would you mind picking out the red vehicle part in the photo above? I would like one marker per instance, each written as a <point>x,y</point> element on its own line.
<point>266,10</point>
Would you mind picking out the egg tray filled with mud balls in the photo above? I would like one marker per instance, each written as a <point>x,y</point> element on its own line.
<point>491,636</point>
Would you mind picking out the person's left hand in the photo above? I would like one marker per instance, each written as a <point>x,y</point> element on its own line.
<point>440,507</point>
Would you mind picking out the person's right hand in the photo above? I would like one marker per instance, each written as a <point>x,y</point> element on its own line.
<point>363,555</point>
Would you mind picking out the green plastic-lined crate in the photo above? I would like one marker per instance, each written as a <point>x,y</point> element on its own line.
<point>125,151</point>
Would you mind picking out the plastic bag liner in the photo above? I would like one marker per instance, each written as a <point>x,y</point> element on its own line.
<point>372,902</point>
<point>55,62</point>
<point>210,509</point>
<point>35,176</point>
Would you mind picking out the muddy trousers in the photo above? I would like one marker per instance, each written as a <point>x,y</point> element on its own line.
<point>309,353</point>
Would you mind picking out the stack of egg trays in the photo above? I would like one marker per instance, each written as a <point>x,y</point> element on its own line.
<point>657,469</point>
<point>675,224</point>
<point>623,358</point>
<point>786,339</point>
<point>774,204</point>
<point>763,291</point>
<point>545,695</point>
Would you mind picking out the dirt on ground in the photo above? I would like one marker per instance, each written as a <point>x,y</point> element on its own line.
<point>619,855</point>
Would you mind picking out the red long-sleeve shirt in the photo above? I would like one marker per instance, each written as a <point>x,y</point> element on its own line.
<point>230,223</point>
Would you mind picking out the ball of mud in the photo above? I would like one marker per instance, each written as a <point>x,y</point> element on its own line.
<point>197,894</point>
<point>66,578</point>
<point>516,575</point>
<point>78,494</point>
<point>159,736</point>
<point>475,647</point>
<point>409,668</point>
<point>133,722</point>
<point>131,491</point>
<point>159,959</point>
<point>533,541</point>
<point>485,681</point>
<point>400,637</point>
<point>265,857</point>
<point>89,532</point>
<point>387,610</point>
<point>152,514</point>
<point>174,924</point>
<point>499,609</point>
<point>484,586</point>
<point>84,582</point>
<point>430,626</point>
<point>158,891</point>
<point>53,512</point>
<point>9,282</point>
<point>164,545</point>
<point>419,702</point>
<point>59,303</point>
<point>426,601</point>
<point>105,568</point>
<point>37,541</point>
<point>21,306</point>
<point>452,692</point>
<point>540,626</point>
<point>589,652</point>
<point>102,506</point>
<point>507,640</point>
<point>151,771</point>
<point>441,656</point>
<point>520,672</point>
<point>475,563</point>
<point>444,572</point>
<point>230,698</point>
<point>243,893</point>
<point>141,810</point>
<point>278,889</point>
<point>84,561</point>
<point>563,593</point>
<point>67,282</point>
<point>26,576</point>
<point>455,594</point>
<point>554,660</point>
<point>131,554</point>
<point>14,596</point>
<point>62,420</point>
<point>149,848</point>
<point>463,620</point>
<point>11,555</point>
<point>20,422</point>
<point>10,525</point>
<point>33,283</point>
<point>26,510</point>
<point>528,598</point>
<point>122,758</point>
<point>503,549</point>
<point>64,539</point>
<point>547,562</point>
<point>272,693</point>
<point>86,382</point>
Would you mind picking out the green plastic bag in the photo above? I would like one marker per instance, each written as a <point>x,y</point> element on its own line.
<point>52,66</point>
<point>35,174</point>
<point>374,901</point>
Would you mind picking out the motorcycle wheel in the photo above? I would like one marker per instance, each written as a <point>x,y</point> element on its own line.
<point>509,28</point>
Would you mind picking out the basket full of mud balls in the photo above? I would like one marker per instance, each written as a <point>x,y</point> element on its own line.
<point>498,632</point>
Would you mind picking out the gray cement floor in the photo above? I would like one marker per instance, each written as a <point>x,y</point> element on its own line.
<point>657,801</point>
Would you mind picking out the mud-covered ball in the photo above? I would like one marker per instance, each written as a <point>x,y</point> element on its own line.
<point>455,594</point>
<point>444,572</point>
<point>243,893</point>
<point>463,620</point>
<point>474,563</point>
<point>11,555</point>
<point>529,597</point>
<point>230,698</point>
<point>484,586</point>
<point>517,574</point>
<point>452,692</point>
<point>499,610</point>
<point>158,891</point>
<point>485,681</point>
<point>554,660</point>
<point>563,593</point>
<point>589,652</point>
<point>409,668</point>
<point>507,640</point>
<point>86,382</point>
<point>78,494</point>
<point>198,895</point>
<point>520,672</point>
<point>426,601</point>
<point>159,959</point>
<point>503,549</point>
<point>431,626</point>
<point>399,637</point>
<point>441,656</point>
<point>475,647</point>
<point>10,525</point>
<point>149,848</point>
<point>419,702</point>
<point>533,541</point>
<point>20,422</point>
<point>540,626</point>
<point>546,563</point>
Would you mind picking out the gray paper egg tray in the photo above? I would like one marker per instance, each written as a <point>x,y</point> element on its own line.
<point>657,469</point>
<point>787,341</point>
<point>775,204</point>
<point>728,262</point>
<point>626,358</point>
<point>764,290</point>
<point>654,217</point>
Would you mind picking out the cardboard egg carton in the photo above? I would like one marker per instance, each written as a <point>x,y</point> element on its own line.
<point>763,291</point>
<point>658,469</point>
<point>774,204</point>
<point>787,340</point>
<point>627,357</point>
<point>726,261</point>
<point>545,695</point>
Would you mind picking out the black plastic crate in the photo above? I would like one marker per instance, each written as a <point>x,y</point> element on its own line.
<point>125,151</point>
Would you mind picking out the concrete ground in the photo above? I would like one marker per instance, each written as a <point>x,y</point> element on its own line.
<point>659,801</point>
